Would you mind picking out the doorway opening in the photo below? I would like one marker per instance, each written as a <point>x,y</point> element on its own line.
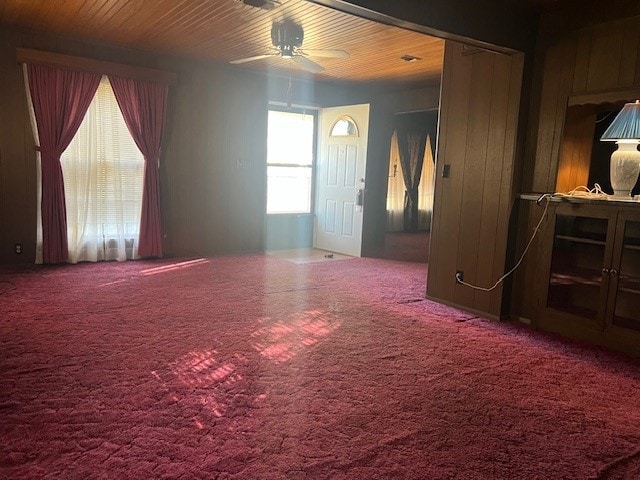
<point>316,162</point>
<point>410,186</point>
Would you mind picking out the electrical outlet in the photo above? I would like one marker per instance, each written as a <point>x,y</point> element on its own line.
<point>446,171</point>
<point>18,248</point>
<point>459,276</point>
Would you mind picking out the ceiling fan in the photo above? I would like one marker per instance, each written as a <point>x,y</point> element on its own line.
<point>287,37</point>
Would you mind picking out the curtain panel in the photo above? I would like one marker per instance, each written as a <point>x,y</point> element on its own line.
<point>413,130</point>
<point>396,189</point>
<point>144,105</point>
<point>60,99</point>
<point>411,145</point>
<point>425,189</point>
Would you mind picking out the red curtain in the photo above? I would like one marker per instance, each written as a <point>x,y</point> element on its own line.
<point>143,106</point>
<point>60,101</point>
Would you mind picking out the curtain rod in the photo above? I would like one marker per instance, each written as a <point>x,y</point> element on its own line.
<point>50,59</point>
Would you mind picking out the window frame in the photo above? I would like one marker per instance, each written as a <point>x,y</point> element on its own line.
<point>301,111</point>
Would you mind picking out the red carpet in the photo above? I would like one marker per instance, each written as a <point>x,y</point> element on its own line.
<point>253,367</point>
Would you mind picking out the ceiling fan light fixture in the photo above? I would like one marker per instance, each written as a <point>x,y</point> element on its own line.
<point>410,58</point>
<point>287,36</point>
<point>287,51</point>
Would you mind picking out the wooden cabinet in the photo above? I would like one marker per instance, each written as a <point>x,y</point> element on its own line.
<point>591,289</point>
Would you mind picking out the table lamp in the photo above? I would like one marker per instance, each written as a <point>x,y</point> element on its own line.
<point>625,161</point>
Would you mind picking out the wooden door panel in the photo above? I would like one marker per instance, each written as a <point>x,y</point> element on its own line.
<point>478,129</point>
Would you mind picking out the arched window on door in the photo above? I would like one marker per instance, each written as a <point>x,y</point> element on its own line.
<point>345,126</point>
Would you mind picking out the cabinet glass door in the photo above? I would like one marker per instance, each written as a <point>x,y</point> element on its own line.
<point>579,249</point>
<point>627,306</point>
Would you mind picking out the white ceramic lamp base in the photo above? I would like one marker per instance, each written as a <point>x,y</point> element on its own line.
<point>625,167</point>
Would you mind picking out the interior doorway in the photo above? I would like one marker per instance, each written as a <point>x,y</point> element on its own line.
<point>410,186</point>
<point>316,164</point>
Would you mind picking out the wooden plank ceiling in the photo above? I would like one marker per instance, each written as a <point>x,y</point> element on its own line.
<point>224,30</point>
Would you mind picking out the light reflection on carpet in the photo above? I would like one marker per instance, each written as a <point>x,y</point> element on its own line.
<point>203,383</point>
<point>174,266</point>
<point>281,340</point>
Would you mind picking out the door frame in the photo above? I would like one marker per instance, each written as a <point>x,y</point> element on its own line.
<point>363,144</point>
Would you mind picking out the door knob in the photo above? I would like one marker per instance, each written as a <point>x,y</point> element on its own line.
<point>614,272</point>
<point>605,271</point>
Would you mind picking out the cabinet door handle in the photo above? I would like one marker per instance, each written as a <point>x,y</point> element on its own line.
<point>605,271</point>
<point>614,272</point>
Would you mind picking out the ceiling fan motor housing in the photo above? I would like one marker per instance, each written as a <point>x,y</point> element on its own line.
<point>287,36</point>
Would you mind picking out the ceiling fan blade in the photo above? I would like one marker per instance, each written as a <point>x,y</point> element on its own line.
<point>307,64</point>
<point>251,59</point>
<point>325,53</point>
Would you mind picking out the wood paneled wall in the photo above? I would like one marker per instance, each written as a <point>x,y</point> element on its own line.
<point>17,160</point>
<point>591,58</point>
<point>478,128</point>
<point>213,166</point>
<point>577,143</point>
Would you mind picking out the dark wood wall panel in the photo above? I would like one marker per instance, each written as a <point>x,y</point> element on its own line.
<point>557,85</point>
<point>497,208</point>
<point>509,173</point>
<point>526,282</point>
<point>546,129</point>
<point>575,157</point>
<point>629,60</point>
<point>604,58</point>
<point>17,171</point>
<point>478,126</point>
<point>581,66</point>
<point>474,175</point>
<point>597,58</point>
<point>452,139</point>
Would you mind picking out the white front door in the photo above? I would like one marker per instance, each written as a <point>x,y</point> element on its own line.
<point>340,181</point>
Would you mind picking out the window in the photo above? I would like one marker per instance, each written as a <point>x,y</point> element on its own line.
<point>344,127</point>
<point>290,144</point>
<point>103,179</point>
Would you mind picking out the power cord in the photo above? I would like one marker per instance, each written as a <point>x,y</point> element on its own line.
<point>581,191</point>
<point>596,192</point>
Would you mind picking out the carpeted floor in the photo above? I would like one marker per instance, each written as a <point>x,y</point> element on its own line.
<point>254,367</point>
<point>307,255</point>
